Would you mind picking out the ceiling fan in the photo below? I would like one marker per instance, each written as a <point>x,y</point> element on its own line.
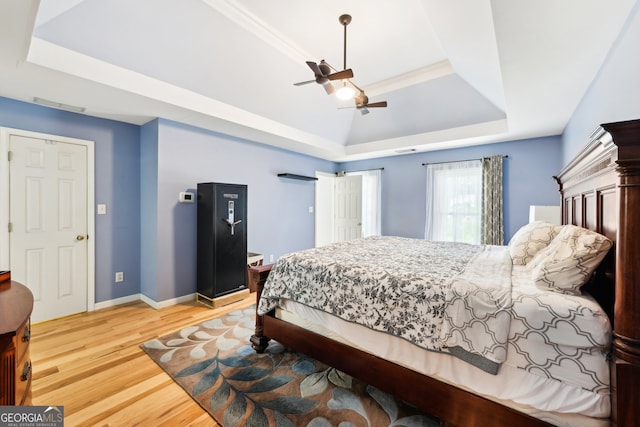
<point>323,75</point>
<point>363,104</point>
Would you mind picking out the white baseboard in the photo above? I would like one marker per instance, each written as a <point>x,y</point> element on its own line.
<point>117,301</point>
<point>141,297</point>
<point>167,303</point>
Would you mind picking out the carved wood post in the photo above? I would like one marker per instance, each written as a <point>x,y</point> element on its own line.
<point>259,274</point>
<point>626,341</point>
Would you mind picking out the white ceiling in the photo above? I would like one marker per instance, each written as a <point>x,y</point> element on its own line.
<point>454,73</point>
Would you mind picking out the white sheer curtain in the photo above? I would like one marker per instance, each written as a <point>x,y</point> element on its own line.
<point>371,201</point>
<point>454,201</point>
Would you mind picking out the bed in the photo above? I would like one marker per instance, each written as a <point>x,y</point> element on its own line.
<point>600,191</point>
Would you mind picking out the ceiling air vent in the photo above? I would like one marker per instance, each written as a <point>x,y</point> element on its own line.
<point>405,150</point>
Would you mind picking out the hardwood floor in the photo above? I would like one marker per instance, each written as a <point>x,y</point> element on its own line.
<point>92,364</point>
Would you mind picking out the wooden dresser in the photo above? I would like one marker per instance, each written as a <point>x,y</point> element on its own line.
<point>16,304</point>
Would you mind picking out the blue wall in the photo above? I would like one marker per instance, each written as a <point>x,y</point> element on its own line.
<point>614,95</point>
<point>149,209</point>
<point>117,171</point>
<point>141,170</point>
<point>278,209</point>
<point>528,173</point>
<point>151,237</point>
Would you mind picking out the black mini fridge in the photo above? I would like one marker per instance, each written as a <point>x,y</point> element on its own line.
<point>221,240</point>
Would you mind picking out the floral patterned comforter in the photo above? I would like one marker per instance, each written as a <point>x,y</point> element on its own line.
<point>441,296</point>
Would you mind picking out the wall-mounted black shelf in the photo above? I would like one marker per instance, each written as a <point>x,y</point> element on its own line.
<point>300,177</point>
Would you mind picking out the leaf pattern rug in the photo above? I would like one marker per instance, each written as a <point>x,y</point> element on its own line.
<point>214,362</point>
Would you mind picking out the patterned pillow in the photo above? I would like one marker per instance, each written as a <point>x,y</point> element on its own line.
<point>569,260</point>
<point>530,239</point>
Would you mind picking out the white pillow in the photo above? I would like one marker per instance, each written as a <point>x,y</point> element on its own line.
<point>530,239</point>
<point>569,260</point>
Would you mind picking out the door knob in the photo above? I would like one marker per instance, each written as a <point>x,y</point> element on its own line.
<point>79,237</point>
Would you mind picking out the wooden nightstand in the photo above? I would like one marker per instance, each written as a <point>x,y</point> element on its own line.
<point>16,304</point>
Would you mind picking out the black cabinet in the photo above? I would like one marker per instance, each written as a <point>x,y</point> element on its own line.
<point>221,239</point>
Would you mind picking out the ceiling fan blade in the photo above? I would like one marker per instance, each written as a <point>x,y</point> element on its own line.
<point>314,67</point>
<point>377,104</point>
<point>344,74</point>
<point>304,83</point>
<point>329,88</point>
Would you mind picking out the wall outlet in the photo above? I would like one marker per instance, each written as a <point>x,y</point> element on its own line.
<point>119,276</point>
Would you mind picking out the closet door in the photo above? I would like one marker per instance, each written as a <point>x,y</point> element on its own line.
<point>48,215</point>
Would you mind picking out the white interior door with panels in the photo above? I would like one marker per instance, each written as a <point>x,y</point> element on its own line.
<point>330,206</point>
<point>50,220</point>
<point>371,201</point>
<point>348,208</point>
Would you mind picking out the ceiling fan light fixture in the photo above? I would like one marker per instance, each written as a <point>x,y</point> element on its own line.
<point>324,74</point>
<point>345,92</point>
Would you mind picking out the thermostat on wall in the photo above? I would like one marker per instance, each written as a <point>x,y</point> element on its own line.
<point>186,197</point>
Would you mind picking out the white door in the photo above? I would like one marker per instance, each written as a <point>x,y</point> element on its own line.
<point>348,208</point>
<point>49,229</point>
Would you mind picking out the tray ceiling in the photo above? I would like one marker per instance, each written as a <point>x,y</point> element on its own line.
<point>454,73</point>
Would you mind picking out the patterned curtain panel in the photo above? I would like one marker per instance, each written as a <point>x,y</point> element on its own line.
<point>492,220</point>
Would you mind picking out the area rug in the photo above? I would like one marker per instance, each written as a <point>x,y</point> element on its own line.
<point>215,364</point>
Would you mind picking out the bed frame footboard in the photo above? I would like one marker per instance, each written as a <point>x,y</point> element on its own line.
<point>259,274</point>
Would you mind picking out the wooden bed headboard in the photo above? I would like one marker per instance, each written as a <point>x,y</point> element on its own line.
<point>600,190</point>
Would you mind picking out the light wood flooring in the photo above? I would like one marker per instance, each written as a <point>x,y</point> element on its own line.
<point>92,364</point>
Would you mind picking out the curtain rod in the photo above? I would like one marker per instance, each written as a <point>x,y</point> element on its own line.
<point>504,156</point>
<point>363,170</point>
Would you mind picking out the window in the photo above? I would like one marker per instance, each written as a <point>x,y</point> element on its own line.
<point>454,202</point>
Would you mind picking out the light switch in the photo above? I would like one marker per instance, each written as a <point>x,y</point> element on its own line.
<point>186,197</point>
<point>102,209</point>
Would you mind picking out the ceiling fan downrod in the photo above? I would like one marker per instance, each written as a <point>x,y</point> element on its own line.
<point>345,20</point>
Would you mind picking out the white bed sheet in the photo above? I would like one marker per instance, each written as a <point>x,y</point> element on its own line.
<point>544,398</point>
